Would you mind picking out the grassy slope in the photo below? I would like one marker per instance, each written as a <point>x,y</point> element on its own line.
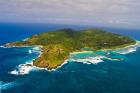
<point>57,45</point>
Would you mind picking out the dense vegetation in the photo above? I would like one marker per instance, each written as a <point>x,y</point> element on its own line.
<point>58,44</point>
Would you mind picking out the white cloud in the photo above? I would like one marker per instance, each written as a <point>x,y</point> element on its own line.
<point>120,12</point>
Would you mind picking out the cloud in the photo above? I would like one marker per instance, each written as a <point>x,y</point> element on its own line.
<point>99,12</point>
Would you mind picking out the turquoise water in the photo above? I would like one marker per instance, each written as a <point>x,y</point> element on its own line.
<point>82,55</point>
<point>106,77</point>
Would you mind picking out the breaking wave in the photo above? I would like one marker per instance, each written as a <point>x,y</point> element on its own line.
<point>89,60</point>
<point>22,69</point>
<point>26,68</point>
<point>25,39</point>
<point>7,85</point>
<point>2,46</point>
<point>128,49</point>
<point>35,50</point>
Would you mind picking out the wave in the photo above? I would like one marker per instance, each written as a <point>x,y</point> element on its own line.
<point>128,49</point>
<point>26,68</point>
<point>30,51</point>
<point>34,50</point>
<point>25,39</point>
<point>3,46</point>
<point>37,49</point>
<point>22,69</point>
<point>7,85</point>
<point>89,60</point>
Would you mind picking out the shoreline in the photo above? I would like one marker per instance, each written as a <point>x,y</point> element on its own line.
<point>128,49</point>
<point>66,61</point>
<point>134,45</point>
<point>27,67</point>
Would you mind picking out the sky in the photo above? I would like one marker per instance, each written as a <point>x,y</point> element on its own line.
<point>114,13</point>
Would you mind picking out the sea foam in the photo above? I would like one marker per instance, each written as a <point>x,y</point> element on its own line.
<point>25,39</point>
<point>128,49</point>
<point>3,46</point>
<point>7,85</point>
<point>26,68</point>
<point>22,69</point>
<point>89,60</point>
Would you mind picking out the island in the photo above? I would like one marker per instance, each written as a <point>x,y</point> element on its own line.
<point>59,44</point>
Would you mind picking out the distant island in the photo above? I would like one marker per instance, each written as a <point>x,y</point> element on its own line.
<point>57,45</point>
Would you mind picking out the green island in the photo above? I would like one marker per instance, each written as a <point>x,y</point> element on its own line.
<point>57,45</point>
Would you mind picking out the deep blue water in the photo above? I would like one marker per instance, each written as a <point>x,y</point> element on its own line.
<point>106,77</point>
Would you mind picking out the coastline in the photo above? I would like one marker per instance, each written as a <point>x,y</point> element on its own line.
<point>57,46</point>
<point>133,45</point>
<point>128,49</point>
<point>28,66</point>
<point>66,61</point>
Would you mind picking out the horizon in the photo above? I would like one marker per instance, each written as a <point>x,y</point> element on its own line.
<point>71,25</point>
<point>98,13</point>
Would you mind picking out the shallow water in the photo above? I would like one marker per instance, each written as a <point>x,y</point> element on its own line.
<point>105,77</point>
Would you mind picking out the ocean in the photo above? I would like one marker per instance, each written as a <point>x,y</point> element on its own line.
<point>109,76</point>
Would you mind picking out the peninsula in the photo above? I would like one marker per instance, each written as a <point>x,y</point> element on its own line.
<point>57,45</point>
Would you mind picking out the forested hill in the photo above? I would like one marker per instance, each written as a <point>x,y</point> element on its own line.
<point>57,45</point>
